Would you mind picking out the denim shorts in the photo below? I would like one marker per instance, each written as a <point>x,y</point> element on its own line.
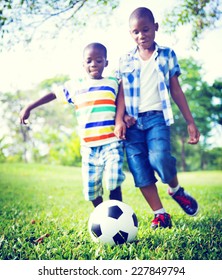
<point>148,150</point>
<point>102,164</point>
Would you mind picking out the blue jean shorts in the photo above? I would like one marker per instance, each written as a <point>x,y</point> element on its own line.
<point>102,164</point>
<point>148,150</point>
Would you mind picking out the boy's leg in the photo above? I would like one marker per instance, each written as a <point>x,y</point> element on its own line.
<point>113,159</point>
<point>143,174</point>
<point>151,195</point>
<point>186,201</point>
<point>174,182</point>
<point>97,201</point>
<point>116,194</point>
<point>165,165</point>
<point>92,172</point>
<point>161,218</point>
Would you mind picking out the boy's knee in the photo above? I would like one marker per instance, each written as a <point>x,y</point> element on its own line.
<point>158,159</point>
<point>165,165</point>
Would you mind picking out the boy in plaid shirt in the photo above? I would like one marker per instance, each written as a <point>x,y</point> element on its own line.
<point>144,115</point>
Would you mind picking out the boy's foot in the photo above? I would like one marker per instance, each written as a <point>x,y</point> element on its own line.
<point>186,202</point>
<point>161,221</point>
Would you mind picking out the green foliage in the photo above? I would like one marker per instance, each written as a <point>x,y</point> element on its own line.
<point>215,93</point>
<point>51,136</point>
<point>48,83</point>
<point>201,15</point>
<point>201,105</point>
<point>66,152</point>
<point>45,200</point>
<point>212,159</point>
<point>2,147</point>
<point>20,20</point>
<point>51,131</point>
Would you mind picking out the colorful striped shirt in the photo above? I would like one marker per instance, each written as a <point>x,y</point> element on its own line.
<point>94,103</point>
<point>129,72</point>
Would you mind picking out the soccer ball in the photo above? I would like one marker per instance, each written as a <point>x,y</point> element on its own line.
<point>113,222</point>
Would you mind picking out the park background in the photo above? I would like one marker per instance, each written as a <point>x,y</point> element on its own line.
<point>40,175</point>
<point>29,70</point>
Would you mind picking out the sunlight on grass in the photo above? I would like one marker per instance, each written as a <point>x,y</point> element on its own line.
<point>44,216</point>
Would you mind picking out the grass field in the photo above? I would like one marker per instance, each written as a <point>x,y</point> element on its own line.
<point>47,201</point>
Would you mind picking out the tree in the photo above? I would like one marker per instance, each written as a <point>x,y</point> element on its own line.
<point>14,134</point>
<point>20,19</point>
<point>213,159</point>
<point>215,92</point>
<point>51,126</point>
<point>200,14</point>
<point>201,106</point>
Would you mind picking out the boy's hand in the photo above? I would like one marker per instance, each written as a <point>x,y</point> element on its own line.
<point>129,120</point>
<point>194,134</point>
<point>120,130</point>
<point>24,115</point>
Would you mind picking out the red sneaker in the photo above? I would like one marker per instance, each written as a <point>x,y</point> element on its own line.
<point>161,221</point>
<point>186,202</point>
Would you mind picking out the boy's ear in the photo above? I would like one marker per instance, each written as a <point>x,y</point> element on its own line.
<point>106,64</point>
<point>156,26</point>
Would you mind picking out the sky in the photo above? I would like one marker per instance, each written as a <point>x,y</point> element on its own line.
<point>23,68</point>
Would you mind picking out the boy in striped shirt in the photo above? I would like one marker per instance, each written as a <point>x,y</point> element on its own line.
<point>94,100</point>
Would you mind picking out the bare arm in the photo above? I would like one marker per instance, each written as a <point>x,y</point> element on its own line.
<point>120,127</point>
<point>180,99</point>
<point>25,113</point>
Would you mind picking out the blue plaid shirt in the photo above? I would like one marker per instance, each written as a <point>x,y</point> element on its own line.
<point>129,72</point>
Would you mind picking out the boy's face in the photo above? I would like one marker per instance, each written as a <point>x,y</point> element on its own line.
<point>143,31</point>
<point>94,62</point>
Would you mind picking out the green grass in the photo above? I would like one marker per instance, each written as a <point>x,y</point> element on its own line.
<point>41,199</point>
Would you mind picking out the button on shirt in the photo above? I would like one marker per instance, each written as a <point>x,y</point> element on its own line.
<point>167,66</point>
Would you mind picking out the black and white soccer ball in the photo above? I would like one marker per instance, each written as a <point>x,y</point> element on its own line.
<point>113,222</point>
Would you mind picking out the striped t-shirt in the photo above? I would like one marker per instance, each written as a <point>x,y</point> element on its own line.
<point>94,103</point>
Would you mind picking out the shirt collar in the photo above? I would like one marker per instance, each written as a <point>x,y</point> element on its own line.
<point>157,49</point>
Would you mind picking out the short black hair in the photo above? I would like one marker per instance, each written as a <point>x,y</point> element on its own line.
<point>97,46</point>
<point>141,13</point>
